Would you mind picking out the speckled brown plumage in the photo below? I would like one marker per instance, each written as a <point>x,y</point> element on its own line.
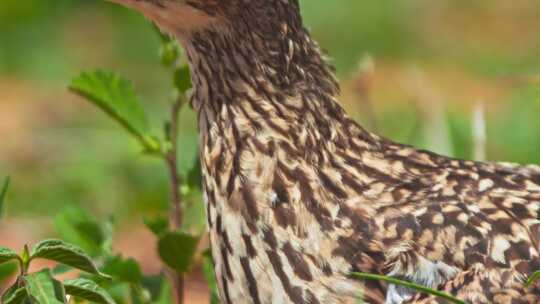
<point>298,195</point>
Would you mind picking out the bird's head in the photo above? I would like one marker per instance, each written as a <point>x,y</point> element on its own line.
<point>183,17</point>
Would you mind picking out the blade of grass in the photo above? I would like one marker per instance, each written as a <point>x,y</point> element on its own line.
<point>417,287</point>
<point>533,279</point>
<point>3,192</point>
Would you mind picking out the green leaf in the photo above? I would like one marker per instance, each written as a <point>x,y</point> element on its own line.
<point>414,286</point>
<point>117,290</point>
<point>158,225</point>
<point>61,269</point>
<point>87,290</point>
<point>165,293</point>
<point>182,79</point>
<point>7,255</point>
<point>65,253</point>
<point>3,192</point>
<point>177,249</point>
<point>169,53</point>
<point>116,97</point>
<point>194,178</point>
<point>533,279</point>
<point>170,49</point>
<point>43,288</point>
<point>76,226</point>
<point>139,295</point>
<point>125,270</point>
<point>14,295</point>
<point>7,271</point>
<point>153,285</point>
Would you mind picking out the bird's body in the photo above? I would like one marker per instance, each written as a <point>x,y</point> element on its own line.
<point>299,196</point>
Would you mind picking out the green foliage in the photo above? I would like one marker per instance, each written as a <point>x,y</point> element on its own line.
<point>65,253</point>
<point>76,226</point>
<point>194,176</point>
<point>158,225</point>
<point>87,290</point>
<point>176,247</point>
<point>14,295</point>
<point>7,255</point>
<point>413,286</point>
<point>177,250</point>
<point>165,294</point>
<point>41,287</point>
<point>182,79</point>
<point>171,54</point>
<point>116,97</point>
<point>7,271</point>
<point>124,270</point>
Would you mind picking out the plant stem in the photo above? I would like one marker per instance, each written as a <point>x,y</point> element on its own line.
<point>172,162</point>
<point>177,281</point>
<point>175,213</point>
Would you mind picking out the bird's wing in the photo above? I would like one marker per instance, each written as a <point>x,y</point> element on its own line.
<point>481,285</point>
<point>446,244</point>
<point>501,227</point>
<point>486,216</point>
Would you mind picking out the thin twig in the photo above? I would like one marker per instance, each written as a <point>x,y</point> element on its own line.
<point>177,281</point>
<point>172,162</point>
<point>176,213</point>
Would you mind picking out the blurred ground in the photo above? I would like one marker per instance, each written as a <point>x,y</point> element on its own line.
<point>431,63</point>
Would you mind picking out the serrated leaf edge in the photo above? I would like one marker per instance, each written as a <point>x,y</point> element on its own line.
<point>74,249</point>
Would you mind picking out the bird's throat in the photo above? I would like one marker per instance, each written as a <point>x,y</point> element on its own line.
<point>265,74</point>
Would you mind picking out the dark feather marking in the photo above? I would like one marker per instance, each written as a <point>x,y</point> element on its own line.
<point>252,283</point>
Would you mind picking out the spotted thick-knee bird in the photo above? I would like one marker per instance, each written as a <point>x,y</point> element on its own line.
<point>299,196</point>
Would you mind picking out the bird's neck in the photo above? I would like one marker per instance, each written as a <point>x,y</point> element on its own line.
<point>274,78</point>
<point>272,64</point>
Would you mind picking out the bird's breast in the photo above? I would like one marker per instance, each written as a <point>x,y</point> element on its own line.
<point>269,243</point>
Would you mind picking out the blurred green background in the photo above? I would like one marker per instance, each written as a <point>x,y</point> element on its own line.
<point>413,70</point>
